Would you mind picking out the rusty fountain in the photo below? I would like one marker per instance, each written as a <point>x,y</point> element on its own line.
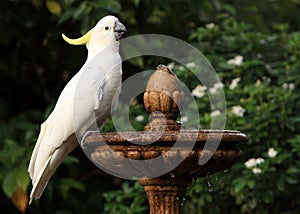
<point>170,154</point>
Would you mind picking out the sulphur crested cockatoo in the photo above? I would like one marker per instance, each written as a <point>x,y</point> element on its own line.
<point>88,97</point>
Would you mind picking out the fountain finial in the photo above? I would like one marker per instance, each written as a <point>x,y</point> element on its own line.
<point>163,99</point>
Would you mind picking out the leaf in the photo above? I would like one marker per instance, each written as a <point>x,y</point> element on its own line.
<point>29,134</point>
<point>66,15</point>
<point>22,177</point>
<point>239,185</point>
<point>133,53</point>
<point>67,183</point>
<point>70,160</point>
<point>109,5</point>
<point>48,110</point>
<point>292,170</point>
<point>251,184</point>
<point>136,3</point>
<point>20,200</point>
<point>53,7</point>
<point>11,152</point>
<point>36,3</point>
<point>81,9</point>
<point>114,7</point>
<point>137,61</point>
<point>291,180</point>
<point>281,183</point>
<point>9,184</point>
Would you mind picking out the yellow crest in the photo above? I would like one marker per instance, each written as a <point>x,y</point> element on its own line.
<point>82,40</point>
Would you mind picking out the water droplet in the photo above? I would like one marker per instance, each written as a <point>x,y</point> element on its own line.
<point>172,175</point>
<point>226,170</point>
<point>209,184</point>
<point>183,200</point>
<point>217,178</point>
<point>177,198</point>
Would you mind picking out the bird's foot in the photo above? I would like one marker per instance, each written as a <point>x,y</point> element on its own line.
<point>88,133</point>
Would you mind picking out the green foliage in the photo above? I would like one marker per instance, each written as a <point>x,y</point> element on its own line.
<point>17,135</point>
<point>131,199</point>
<point>269,81</point>
<point>36,64</point>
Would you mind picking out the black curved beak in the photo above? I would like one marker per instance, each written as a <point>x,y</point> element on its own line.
<point>120,29</point>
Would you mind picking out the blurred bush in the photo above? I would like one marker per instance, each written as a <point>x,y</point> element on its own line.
<point>253,45</point>
<point>260,73</point>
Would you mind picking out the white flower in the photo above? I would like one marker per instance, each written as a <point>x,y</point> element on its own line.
<point>199,91</point>
<point>259,161</point>
<point>237,60</point>
<point>238,111</point>
<point>213,90</point>
<point>257,83</point>
<point>216,87</point>
<point>262,41</point>
<point>234,83</point>
<point>184,119</point>
<point>215,113</point>
<point>267,79</point>
<point>271,38</point>
<point>256,170</point>
<point>288,86</point>
<point>140,118</point>
<point>210,25</point>
<point>190,64</point>
<point>268,66</point>
<point>133,102</point>
<point>291,86</point>
<point>171,65</point>
<point>180,68</point>
<point>285,86</point>
<point>250,163</point>
<point>272,152</point>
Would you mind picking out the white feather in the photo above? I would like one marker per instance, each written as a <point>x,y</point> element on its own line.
<point>90,93</point>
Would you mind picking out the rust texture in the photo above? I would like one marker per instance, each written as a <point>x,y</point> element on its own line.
<point>163,99</point>
<point>164,137</point>
<point>166,194</point>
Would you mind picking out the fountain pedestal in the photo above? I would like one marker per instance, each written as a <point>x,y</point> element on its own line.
<point>179,150</point>
<point>165,194</point>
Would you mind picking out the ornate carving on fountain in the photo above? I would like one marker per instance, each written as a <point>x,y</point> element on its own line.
<point>163,100</point>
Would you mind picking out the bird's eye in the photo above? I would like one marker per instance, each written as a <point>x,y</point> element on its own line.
<point>107,28</point>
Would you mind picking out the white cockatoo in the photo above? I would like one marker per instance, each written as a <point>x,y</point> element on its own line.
<point>88,97</point>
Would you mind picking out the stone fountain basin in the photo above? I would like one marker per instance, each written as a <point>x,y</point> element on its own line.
<point>176,152</point>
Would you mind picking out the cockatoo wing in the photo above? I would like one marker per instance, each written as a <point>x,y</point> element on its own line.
<point>54,141</point>
<point>56,129</point>
<point>99,84</point>
<point>57,138</point>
